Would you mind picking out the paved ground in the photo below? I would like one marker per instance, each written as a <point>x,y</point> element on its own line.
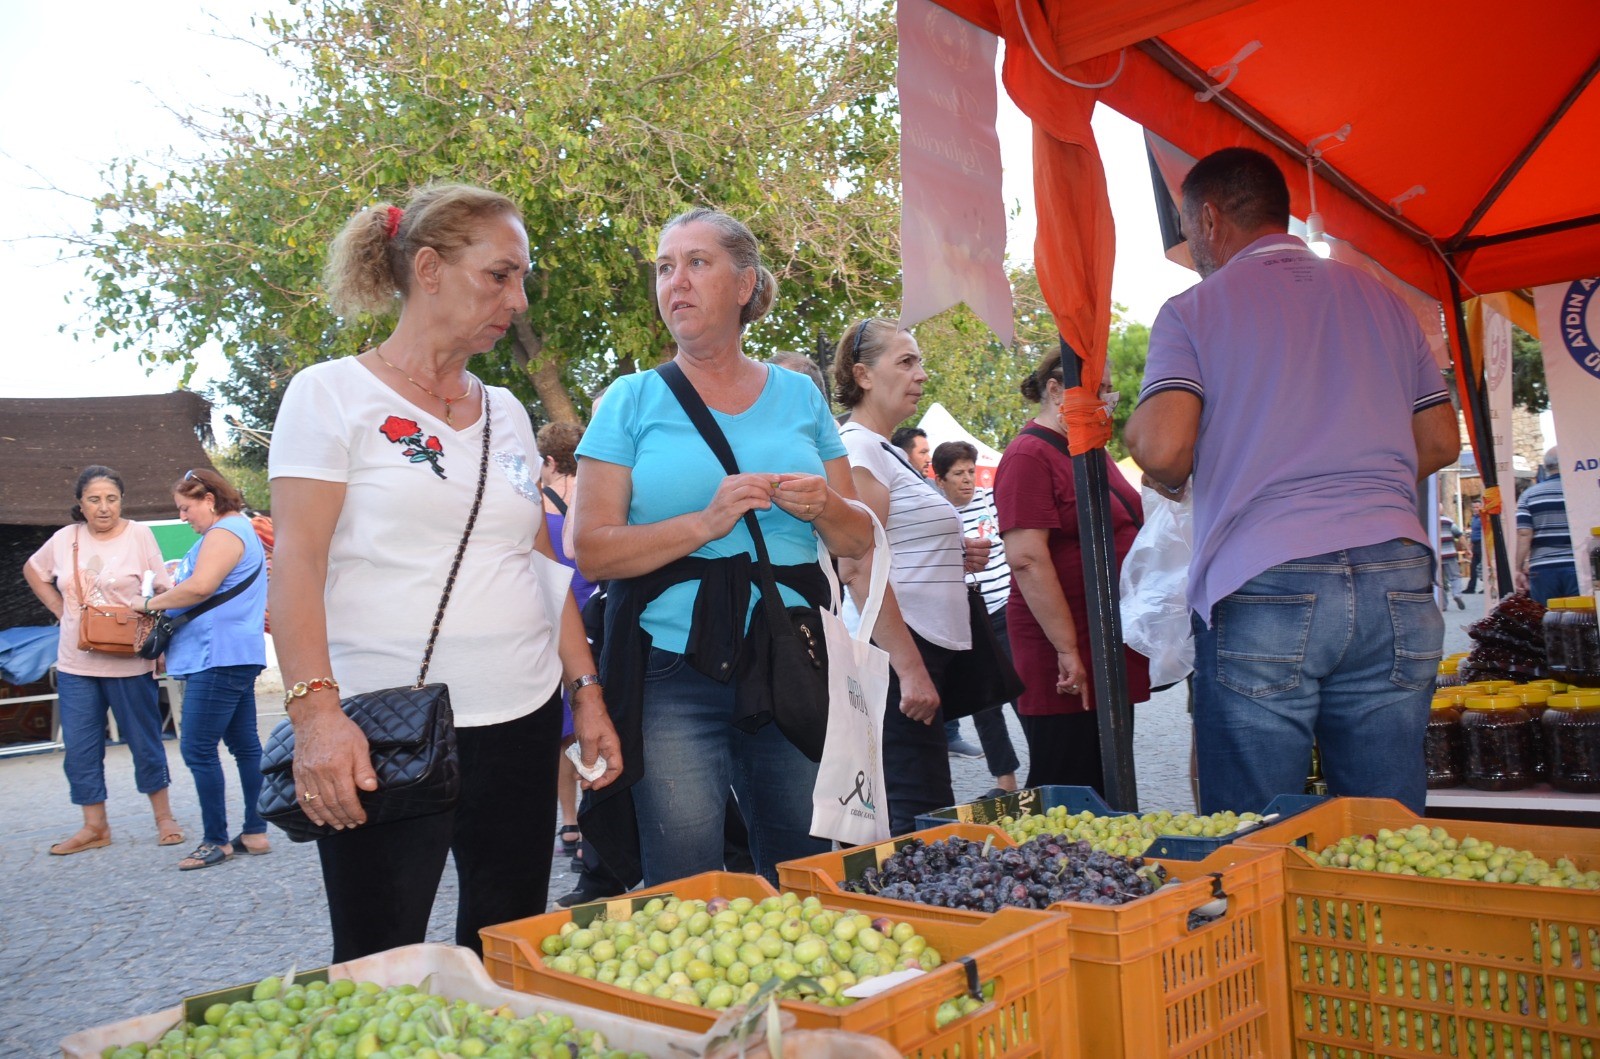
<point>114,932</point>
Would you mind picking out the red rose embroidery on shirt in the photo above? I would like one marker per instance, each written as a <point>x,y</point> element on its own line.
<point>429,450</point>
<point>396,429</point>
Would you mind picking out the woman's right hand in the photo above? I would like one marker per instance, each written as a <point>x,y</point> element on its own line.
<point>331,760</point>
<point>1069,673</point>
<point>737,494</point>
<point>919,698</point>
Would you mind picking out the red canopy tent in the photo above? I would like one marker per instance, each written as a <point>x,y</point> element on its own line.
<point>1473,129</point>
<point>1493,112</point>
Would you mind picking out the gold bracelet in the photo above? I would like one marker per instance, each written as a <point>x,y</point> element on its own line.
<point>306,687</point>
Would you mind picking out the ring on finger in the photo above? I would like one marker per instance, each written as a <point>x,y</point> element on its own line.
<point>309,797</point>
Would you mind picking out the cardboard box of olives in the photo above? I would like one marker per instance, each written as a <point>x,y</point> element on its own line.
<point>999,988</point>
<point>1172,836</point>
<point>447,970</point>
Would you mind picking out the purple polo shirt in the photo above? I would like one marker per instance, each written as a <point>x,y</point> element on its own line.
<point>1308,373</point>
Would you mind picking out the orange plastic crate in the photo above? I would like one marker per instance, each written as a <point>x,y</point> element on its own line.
<point>1026,954</point>
<point>1148,984</point>
<point>1389,966</point>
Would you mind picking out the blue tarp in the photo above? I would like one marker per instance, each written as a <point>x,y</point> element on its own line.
<point>27,652</point>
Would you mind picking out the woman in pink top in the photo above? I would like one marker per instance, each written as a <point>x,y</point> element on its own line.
<point>101,559</point>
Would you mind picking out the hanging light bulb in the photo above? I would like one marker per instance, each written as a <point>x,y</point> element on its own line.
<point>1316,238</point>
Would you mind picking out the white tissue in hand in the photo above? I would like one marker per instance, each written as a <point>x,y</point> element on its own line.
<point>588,772</point>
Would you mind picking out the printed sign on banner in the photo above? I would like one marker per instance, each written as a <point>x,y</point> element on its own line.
<point>1569,334</point>
<point>952,214</point>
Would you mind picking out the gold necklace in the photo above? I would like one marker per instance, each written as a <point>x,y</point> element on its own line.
<point>447,401</point>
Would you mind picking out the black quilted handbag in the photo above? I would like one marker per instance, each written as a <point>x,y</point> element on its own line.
<point>410,732</point>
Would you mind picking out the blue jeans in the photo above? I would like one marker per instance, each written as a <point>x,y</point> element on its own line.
<point>693,756</point>
<point>136,704</point>
<point>1342,648</point>
<point>219,705</point>
<point>1552,582</point>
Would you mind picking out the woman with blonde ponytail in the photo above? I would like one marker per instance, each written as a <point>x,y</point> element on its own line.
<point>376,460</point>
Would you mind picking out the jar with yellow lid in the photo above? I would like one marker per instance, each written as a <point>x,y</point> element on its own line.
<point>1497,740</point>
<point>1572,742</point>
<point>1449,673</point>
<point>1442,743</point>
<point>1554,687</point>
<point>1555,636</point>
<point>1535,701</point>
<point>1582,642</point>
<point>1490,687</point>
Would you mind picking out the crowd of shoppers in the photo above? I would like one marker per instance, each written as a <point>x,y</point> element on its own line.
<point>1311,595</point>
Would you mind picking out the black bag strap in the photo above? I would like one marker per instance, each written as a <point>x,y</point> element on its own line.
<point>695,408</point>
<point>461,549</point>
<point>1059,443</point>
<point>555,499</point>
<point>178,621</point>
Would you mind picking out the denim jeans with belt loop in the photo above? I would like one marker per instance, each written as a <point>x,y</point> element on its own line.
<point>1341,648</point>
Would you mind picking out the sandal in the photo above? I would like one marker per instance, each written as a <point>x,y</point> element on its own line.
<point>168,833</point>
<point>205,855</point>
<point>239,846</point>
<point>570,836</point>
<point>86,838</point>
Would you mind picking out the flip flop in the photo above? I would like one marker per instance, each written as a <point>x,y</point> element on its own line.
<point>168,833</point>
<point>68,847</point>
<point>245,851</point>
<point>207,855</point>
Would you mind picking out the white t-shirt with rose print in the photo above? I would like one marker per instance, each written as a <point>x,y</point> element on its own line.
<point>409,482</point>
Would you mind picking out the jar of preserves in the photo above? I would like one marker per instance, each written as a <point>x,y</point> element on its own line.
<point>1535,701</point>
<point>1554,687</point>
<point>1497,740</point>
<point>1582,642</point>
<point>1555,637</point>
<point>1442,743</point>
<point>1572,742</point>
<point>1449,674</point>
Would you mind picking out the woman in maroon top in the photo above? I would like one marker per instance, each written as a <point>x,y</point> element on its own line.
<point>1037,501</point>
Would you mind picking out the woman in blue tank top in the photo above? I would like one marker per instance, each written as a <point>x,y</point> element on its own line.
<point>218,653</point>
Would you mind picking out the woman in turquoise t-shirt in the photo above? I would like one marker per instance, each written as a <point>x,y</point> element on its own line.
<point>218,655</point>
<point>653,500</point>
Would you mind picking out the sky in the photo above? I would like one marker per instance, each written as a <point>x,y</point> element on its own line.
<point>86,83</point>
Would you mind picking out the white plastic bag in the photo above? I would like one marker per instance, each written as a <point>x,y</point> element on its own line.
<point>848,802</point>
<point>1155,589</point>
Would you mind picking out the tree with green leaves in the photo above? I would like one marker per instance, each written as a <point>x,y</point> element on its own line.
<point>600,118</point>
<point>1527,373</point>
<point>976,378</point>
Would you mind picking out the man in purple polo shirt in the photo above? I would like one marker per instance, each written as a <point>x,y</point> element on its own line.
<point>1301,396</point>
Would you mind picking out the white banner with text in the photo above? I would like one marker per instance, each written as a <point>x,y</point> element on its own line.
<point>1569,336</point>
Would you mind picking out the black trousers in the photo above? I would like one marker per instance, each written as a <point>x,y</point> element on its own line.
<point>916,758</point>
<point>1064,748</point>
<point>382,880</point>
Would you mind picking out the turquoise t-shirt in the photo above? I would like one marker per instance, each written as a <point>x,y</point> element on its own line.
<point>640,425</point>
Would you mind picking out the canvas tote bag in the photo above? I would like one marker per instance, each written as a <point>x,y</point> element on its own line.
<point>848,802</point>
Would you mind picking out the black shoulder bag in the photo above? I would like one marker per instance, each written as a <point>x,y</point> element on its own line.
<point>411,732</point>
<point>155,641</point>
<point>785,659</point>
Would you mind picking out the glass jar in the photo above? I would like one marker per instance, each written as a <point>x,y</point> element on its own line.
<point>1449,674</point>
<point>1554,687</point>
<point>1497,736</point>
<point>1582,642</point>
<point>1555,637</point>
<point>1572,742</point>
<point>1535,701</point>
<point>1442,743</point>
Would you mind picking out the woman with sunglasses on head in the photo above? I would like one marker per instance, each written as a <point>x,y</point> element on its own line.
<point>100,560</point>
<point>218,653</point>
<point>925,621</point>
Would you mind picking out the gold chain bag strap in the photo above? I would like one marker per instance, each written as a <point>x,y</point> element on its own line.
<point>410,731</point>
<point>108,629</point>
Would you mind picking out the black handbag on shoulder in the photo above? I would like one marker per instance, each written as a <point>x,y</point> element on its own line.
<point>785,658</point>
<point>411,733</point>
<point>155,640</point>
